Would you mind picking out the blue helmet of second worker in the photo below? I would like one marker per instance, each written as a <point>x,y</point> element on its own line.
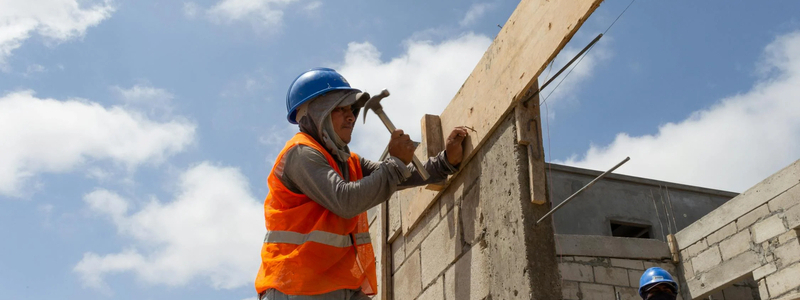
<point>311,98</point>
<point>657,284</point>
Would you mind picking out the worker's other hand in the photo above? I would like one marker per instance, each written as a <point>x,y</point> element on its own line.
<point>454,149</point>
<point>401,146</point>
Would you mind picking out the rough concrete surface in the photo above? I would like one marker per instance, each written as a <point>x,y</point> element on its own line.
<point>605,246</point>
<point>740,205</point>
<point>660,205</point>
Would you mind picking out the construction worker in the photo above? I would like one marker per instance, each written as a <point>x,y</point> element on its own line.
<point>657,284</point>
<point>317,244</point>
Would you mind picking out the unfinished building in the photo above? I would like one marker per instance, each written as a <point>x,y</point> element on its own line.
<point>475,236</point>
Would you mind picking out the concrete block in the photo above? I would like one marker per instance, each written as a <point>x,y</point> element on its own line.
<point>576,272</point>
<point>594,261</point>
<point>792,216</point>
<point>606,246</point>
<point>694,249</point>
<point>717,295</point>
<point>722,233</point>
<point>612,276</point>
<point>688,269</point>
<point>763,291</point>
<point>751,217</point>
<point>784,280</point>
<point>788,253</point>
<point>740,205</point>
<point>472,217</point>
<point>625,293</point>
<point>788,199</point>
<point>395,218</point>
<point>633,277</point>
<point>570,290</point>
<point>372,214</point>
<point>468,278</point>
<point>418,234</point>
<point>726,272</point>
<point>764,270</point>
<point>790,235</point>
<point>450,283</point>
<point>398,253</point>
<point>735,245</point>
<point>737,292</point>
<point>790,296</point>
<point>707,260</point>
<point>669,267</point>
<point>768,228</point>
<point>592,291</point>
<point>435,291</point>
<point>441,248</point>
<point>627,263</point>
<point>406,281</point>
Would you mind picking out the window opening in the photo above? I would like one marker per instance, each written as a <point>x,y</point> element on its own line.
<point>631,230</point>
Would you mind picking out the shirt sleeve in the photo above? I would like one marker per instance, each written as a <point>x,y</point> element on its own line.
<point>437,166</point>
<point>307,171</point>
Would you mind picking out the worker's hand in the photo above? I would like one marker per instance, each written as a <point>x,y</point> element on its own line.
<point>401,146</point>
<point>454,150</point>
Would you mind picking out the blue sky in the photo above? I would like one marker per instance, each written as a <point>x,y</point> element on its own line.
<point>137,135</point>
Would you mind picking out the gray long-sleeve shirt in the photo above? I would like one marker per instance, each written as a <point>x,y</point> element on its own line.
<point>306,170</point>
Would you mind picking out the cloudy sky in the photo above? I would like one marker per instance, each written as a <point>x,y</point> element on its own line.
<point>136,136</point>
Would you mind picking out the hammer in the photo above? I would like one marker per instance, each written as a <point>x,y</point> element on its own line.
<point>374,104</point>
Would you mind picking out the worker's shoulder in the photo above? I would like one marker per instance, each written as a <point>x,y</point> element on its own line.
<point>301,150</point>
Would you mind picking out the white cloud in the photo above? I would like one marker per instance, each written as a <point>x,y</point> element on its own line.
<point>52,136</point>
<point>275,138</point>
<point>143,94</point>
<point>34,69</point>
<point>475,12</point>
<point>313,6</point>
<point>59,20</point>
<point>212,231</point>
<point>731,145</point>
<point>191,9</point>
<point>422,80</point>
<point>583,70</point>
<point>263,14</point>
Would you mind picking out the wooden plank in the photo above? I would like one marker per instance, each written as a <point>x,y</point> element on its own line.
<point>529,133</point>
<point>530,39</point>
<point>385,286</point>
<point>673,248</point>
<point>433,140</point>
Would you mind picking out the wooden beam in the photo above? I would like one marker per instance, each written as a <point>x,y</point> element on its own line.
<point>529,134</point>
<point>534,34</point>
<point>433,140</point>
<point>385,286</point>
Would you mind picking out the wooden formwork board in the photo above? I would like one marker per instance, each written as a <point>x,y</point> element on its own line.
<point>534,34</point>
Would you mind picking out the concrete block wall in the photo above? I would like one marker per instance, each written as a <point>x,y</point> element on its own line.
<point>664,206</point>
<point>478,241</point>
<point>599,267</point>
<point>586,277</point>
<point>754,236</point>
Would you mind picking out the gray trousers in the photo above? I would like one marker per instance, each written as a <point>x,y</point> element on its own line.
<point>273,294</point>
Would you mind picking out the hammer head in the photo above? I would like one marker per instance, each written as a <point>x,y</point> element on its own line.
<point>374,103</point>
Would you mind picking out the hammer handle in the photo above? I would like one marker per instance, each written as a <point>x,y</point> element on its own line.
<point>389,125</point>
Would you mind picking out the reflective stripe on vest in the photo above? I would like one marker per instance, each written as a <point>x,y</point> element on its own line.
<point>322,237</point>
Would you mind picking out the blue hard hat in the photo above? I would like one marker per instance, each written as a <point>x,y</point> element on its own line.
<point>653,276</point>
<point>310,84</point>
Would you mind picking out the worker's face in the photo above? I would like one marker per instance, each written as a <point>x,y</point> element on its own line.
<point>660,291</point>
<point>343,121</point>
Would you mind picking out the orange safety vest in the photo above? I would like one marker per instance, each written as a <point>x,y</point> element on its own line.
<point>308,250</point>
